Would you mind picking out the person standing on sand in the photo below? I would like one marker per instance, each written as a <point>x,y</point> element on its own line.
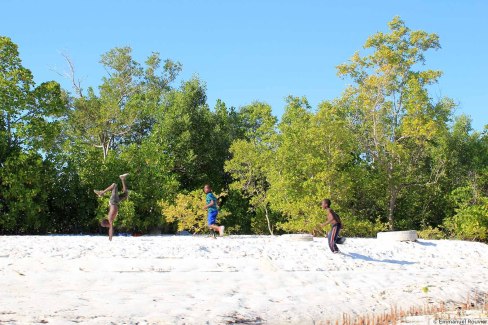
<point>115,199</point>
<point>335,221</point>
<point>213,210</point>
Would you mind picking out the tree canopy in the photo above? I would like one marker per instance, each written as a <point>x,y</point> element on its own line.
<point>388,153</point>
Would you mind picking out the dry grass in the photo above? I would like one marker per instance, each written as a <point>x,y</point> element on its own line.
<point>449,310</point>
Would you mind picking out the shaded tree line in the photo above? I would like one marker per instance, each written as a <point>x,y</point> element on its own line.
<point>388,154</point>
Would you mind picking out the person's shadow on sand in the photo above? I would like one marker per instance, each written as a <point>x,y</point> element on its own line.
<point>425,243</point>
<point>357,256</point>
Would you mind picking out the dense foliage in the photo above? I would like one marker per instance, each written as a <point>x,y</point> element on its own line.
<point>388,154</point>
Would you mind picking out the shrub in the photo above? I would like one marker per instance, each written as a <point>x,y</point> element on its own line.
<point>187,211</point>
<point>431,233</point>
<point>469,223</point>
<point>471,219</point>
<point>358,227</point>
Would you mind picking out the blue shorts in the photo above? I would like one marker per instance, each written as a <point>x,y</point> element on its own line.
<point>212,217</point>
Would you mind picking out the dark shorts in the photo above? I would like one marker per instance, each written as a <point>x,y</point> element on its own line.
<point>115,198</point>
<point>212,217</point>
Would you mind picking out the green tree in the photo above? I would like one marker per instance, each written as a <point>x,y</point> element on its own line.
<point>22,195</point>
<point>30,115</point>
<point>466,204</point>
<point>114,132</point>
<point>251,158</point>
<point>71,205</point>
<point>227,128</point>
<point>151,181</point>
<point>124,111</point>
<point>312,161</point>
<point>463,153</point>
<point>395,120</point>
<point>184,131</point>
<point>30,123</point>
<point>471,218</point>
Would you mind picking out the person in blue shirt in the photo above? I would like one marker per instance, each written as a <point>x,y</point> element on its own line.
<point>213,210</point>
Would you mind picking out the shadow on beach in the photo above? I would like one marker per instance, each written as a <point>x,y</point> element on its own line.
<point>370,259</point>
<point>425,243</point>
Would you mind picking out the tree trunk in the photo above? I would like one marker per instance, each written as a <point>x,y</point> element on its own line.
<point>105,151</point>
<point>392,192</point>
<point>105,144</point>
<point>267,219</point>
<point>391,206</point>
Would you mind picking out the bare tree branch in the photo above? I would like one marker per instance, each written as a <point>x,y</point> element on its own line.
<point>75,83</point>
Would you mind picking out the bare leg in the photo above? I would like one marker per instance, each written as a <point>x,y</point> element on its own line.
<point>122,178</point>
<point>219,229</point>
<point>101,193</point>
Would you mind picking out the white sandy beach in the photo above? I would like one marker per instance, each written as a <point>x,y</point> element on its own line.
<point>200,280</point>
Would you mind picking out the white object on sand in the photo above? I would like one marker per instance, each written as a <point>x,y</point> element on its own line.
<point>297,237</point>
<point>405,235</point>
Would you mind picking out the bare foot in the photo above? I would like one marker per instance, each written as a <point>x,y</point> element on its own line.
<point>221,231</point>
<point>123,176</point>
<point>99,193</point>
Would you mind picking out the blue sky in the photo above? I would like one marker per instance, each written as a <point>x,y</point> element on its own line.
<point>251,50</point>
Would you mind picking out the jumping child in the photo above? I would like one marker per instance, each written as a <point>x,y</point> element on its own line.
<point>213,210</point>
